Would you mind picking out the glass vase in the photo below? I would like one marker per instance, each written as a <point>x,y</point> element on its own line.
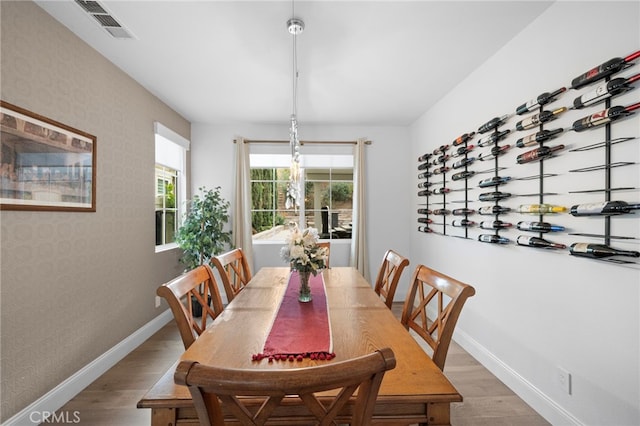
<point>305,291</point>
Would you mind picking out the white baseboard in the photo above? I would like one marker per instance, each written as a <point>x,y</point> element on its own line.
<point>538,400</point>
<point>65,391</point>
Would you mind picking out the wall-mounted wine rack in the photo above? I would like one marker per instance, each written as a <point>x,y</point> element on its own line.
<point>534,117</point>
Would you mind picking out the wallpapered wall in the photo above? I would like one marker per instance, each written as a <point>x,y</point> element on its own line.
<point>75,284</point>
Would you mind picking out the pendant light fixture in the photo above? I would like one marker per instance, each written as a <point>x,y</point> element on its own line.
<point>295,26</point>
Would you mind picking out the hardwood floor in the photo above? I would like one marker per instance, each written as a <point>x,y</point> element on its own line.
<point>111,400</point>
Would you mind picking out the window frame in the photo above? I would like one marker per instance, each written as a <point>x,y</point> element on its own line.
<point>171,152</point>
<point>345,162</point>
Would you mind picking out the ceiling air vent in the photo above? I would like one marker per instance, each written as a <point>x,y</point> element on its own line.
<point>104,19</point>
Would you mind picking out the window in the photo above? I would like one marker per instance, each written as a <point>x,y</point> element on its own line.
<point>166,208</point>
<point>327,195</point>
<point>170,184</point>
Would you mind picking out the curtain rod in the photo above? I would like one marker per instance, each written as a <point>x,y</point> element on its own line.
<point>304,142</point>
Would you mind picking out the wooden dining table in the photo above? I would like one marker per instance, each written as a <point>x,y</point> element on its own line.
<point>415,392</point>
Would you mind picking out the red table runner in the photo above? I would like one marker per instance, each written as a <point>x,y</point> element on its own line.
<point>300,329</point>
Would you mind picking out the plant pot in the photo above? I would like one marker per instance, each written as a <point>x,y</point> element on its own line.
<point>196,307</point>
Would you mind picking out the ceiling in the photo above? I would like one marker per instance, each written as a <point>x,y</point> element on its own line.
<point>360,62</point>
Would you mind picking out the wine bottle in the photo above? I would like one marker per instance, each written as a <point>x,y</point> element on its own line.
<point>442,190</point>
<point>496,151</point>
<point>441,212</point>
<point>424,211</point>
<point>492,196</point>
<point>494,181</point>
<point>462,150</point>
<point>441,170</point>
<point>464,162</point>
<point>525,240</point>
<point>440,150</point>
<point>440,160</point>
<point>425,184</point>
<point>424,193</point>
<point>495,224</point>
<point>607,208</point>
<point>538,154</point>
<point>462,212</point>
<point>425,175</point>
<point>463,138</point>
<point>424,220</point>
<point>490,238</point>
<point>493,138</point>
<point>543,99</point>
<point>462,175</point>
<point>603,117</point>
<point>424,166</point>
<point>491,210</point>
<point>539,227</point>
<point>541,208</point>
<point>462,223</point>
<point>492,124</point>
<point>612,66</point>
<point>425,157</point>
<point>535,138</point>
<point>599,251</point>
<point>424,229</point>
<point>604,91</point>
<point>537,119</point>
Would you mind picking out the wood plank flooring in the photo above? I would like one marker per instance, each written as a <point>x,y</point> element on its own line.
<point>111,400</point>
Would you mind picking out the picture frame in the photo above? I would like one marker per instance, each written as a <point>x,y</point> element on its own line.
<point>45,165</point>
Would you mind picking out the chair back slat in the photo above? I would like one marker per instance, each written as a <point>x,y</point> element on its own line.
<point>432,308</point>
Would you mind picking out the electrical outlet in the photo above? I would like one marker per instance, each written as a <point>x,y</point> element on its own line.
<point>564,380</point>
<point>157,301</point>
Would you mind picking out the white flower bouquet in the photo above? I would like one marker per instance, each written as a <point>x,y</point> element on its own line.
<point>302,252</point>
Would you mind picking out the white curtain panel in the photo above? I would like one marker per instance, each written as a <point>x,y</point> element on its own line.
<point>359,256</point>
<point>242,237</point>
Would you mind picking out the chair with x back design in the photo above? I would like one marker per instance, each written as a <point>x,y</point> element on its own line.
<point>234,271</point>
<point>441,296</point>
<point>255,396</point>
<point>388,276</point>
<point>189,293</point>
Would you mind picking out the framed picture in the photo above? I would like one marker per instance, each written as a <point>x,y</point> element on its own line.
<point>45,165</point>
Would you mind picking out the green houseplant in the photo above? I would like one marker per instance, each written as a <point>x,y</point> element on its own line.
<point>202,233</point>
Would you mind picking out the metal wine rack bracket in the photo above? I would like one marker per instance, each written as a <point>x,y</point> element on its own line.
<point>603,167</point>
<point>603,144</point>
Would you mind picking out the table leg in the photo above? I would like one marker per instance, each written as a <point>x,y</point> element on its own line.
<point>163,416</point>
<point>439,414</point>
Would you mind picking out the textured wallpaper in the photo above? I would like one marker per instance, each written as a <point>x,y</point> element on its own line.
<point>73,285</point>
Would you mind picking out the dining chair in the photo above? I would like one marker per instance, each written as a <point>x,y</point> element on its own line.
<point>327,245</point>
<point>234,271</point>
<point>255,396</point>
<point>389,275</point>
<point>443,297</point>
<point>191,295</point>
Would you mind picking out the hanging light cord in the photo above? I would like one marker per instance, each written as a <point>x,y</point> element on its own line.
<point>295,75</point>
<point>293,187</point>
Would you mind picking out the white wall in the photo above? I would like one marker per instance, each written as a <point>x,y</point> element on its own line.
<point>534,310</point>
<point>213,157</point>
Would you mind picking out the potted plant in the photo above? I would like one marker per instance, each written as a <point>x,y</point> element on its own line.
<point>202,233</point>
